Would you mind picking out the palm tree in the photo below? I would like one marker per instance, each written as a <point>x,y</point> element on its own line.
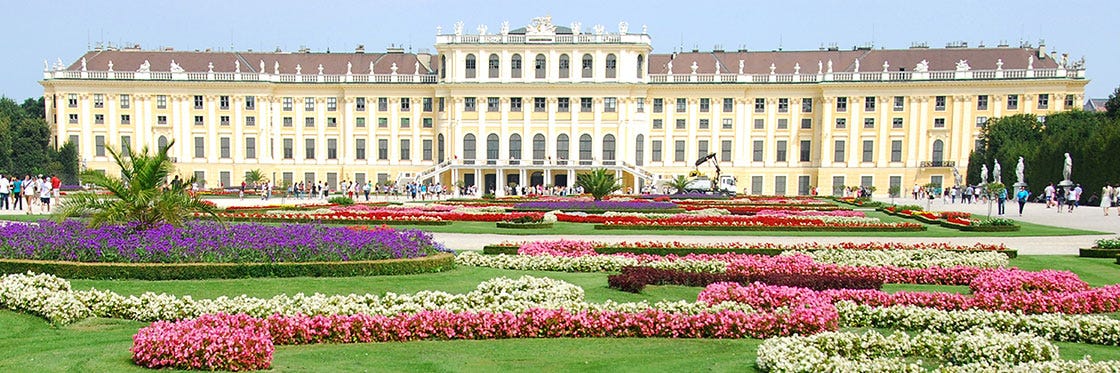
<point>679,183</point>
<point>140,196</point>
<point>599,182</point>
<point>254,177</point>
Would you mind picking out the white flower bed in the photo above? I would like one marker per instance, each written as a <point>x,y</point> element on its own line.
<point>906,258</point>
<point>51,298</point>
<point>589,263</point>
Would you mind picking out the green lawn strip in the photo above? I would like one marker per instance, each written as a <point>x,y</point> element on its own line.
<point>26,217</point>
<point>29,344</point>
<point>1095,271</point>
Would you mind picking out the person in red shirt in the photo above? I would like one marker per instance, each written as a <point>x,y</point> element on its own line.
<point>56,185</point>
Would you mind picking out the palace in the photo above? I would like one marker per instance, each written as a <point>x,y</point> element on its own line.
<point>538,104</point>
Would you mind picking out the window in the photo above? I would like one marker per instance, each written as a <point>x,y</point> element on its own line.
<point>657,123</point>
<point>760,105</point>
<point>680,124</point>
<point>682,105</point>
<point>126,144</point>
<point>72,100</point>
<point>896,122</point>
<point>781,151</point>
<point>406,104</point>
<point>538,147</point>
<point>161,119</point>
<point>382,104</point>
<point>939,123</point>
<point>678,151</point>
<point>160,143</point>
<point>73,118</point>
<point>899,103</point>
<point>161,102</point>
<point>223,102</point>
<point>611,66</point>
<point>838,153</point>
<point>585,104</point>
<point>287,103</point>
<point>757,151</point>
<point>1012,102</point>
<point>725,151</point>
<point>701,149</point>
<point>938,151</point>
<point>383,150</point>
<point>783,124</point>
<point>514,146</point>
<point>640,105</point>
<point>251,103</point>
<point>198,120</point>
<point>99,145</point>
<point>309,148</point>
<point>199,147</point>
<point>705,105</point>
<point>223,120</point>
<point>360,149</point>
<point>332,103</point>
<point>360,104</point>
<point>806,123</point>
<point>288,149</point>
<point>608,147</point>
<point>640,150</point>
<point>406,122</point>
<point>981,121</point>
<point>783,105</point>
<point>868,122</point>
<point>756,185</point>
<point>224,178</point>
<point>641,65</point>
<point>841,122</point>
<point>584,148</point>
<point>658,105</point>
<point>470,66</point>
<point>250,148</point>
<point>332,122</point>
<point>126,102</point>
<point>565,66</point>
<point>251,121</point>
<point>562,146</point>
<point>982,102</point>
<point>539,66</point>
<point>469,104</point>
<point>426,122</point>
<point>515,104</point>
<point>703,124</point>
<point>866,181</point>
<point>494,66</point>
<point>610,104</point>
<point>332,148</point>
<point>426,149</point>
<point>869,104</point>
<point>201,177</point>
<point>492,104</point>
<point>309,103</point>
<point>223,147</point>
<point>126,119</point>
<point>539,104</point>
<point>939,103</point>
<point>492,147</point>
<point>841,104</point>
<point>586,66</point>
<point>655,149</point>
<point>99,100</point>
<point>806,149</point>
<point>727,123</point>
<point>803,185</point>
<point>896,150</point>
<point>728,105</point>
<point>807,105</point>
<point>426,104</point>
<point>868,151</point>
<point>406,152</point>
<point>837,185</point>
<point>1043,101</point>
<point>780,185</point>
<point>895,183</point>
<point>515,66</point>
<point>197,102</point>
<point>287,121</point>
<point>100,118</point>
<point>309,122</point>
<point>441,104</point>
<point>563,105</point>
<point>759,123</point>
<point>1069,102</point>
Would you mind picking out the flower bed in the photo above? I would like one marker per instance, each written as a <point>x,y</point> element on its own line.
<point>744,223</point>
<point>764,248</point>
<point>634,279</point>
<point>211,342</point>
<point>1104,248</point>
<point>335,218</point>
<point>511,225</point>
<point>598,206</point>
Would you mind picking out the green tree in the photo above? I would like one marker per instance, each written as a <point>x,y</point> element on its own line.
<point>679,183</point>
<point>599,182</point>
<point>1113,104</point>
<point>33,108</point>
<point>993,190</point>
<point>139,196</point>
<point>67,157</point>
<point>5,145</point>
<point>30,144</point>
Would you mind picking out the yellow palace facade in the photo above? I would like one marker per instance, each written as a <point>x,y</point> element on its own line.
<point>538,104</point>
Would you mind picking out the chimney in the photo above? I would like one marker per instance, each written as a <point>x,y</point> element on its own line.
<point>1042,50</point>
<point>360,49</point>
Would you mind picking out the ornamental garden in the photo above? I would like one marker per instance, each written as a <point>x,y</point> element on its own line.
<point>345,286</point>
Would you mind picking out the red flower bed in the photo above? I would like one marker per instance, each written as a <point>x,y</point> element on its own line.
<point>210,342</point>
<point>634,279</point>
<point>733,221</point>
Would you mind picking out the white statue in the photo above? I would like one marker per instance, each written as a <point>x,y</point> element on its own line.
<point>237,66</point>
<point>669,66</point>
<point>717,67</point>
<point>623,27</point>
<point>416,68</point>
<point>797,68</point>
<point>999,64</point>
<point>505,27</point>
<point>1067,168</point>
<point>886,66</point>
<point>857,66</point>
<point>820,67</point>
<point>1030,63</point>
<point>349,66</point>
<point>458,28</point>
<point>830,66</point>
<point>110,65</point>
<point>576,27</point>
<point>1019,168</point>
<point>320,69</point>
<point>394,68</point>
<point>983,174</point>
<point>210,67</point>
<point>481,29</point>
<point>956,176</point>
<point>922,66</point>
<point>740,67</point>
<point>299,69</point>
<point>599,29</point>
<point>371,67</point>
<point>46,65</point>
<point>84,64</point>
<point>439,30</point>
<point>540,25</point>
<point>694,67</point>
<point>58,64</point>
<point>997,172</point>
<point>772,67</point>
<point>962,65</point>
<point>644,29</point>
<point>262,68</point>
<point>175,68</point>
<point>145,67</point>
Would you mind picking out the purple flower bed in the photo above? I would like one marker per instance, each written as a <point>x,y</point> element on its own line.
<point>596,205</point>
<point>206,242</point>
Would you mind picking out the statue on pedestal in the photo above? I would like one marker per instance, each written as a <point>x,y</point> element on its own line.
<point>997,173</point>
<point>1019,169</point>
<point>983,174</point>
<point>1067,168</point>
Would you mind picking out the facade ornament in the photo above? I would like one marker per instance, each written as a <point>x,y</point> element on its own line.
<point>644,29</point>
<point>210,67</point>
<point>110,65</point>
<point>320,69</point>
<point>797,68</point>
<point>482,29</point>
<point>886,66</point>
<point>1030,63</point>
<point>694,67</point>
<point>237,66</point>
<point>505,27</point>
<point>458,28</point>
<point>772,67</point>
<point>740,67</point>
<point>599,29</point>
<point>439,30</point>
<point>717,67</point>
<point>349,67</point>
<point>820,67</point>
<point>46,65</point>
<point>857,66</point>
<point>145,67</point>
<point>276,68</point>
<point>962,65</point>
<point>175,68</point>
<point>623,27</point>
<point>394,68</point>
<point>83,64</point>
<point>576,27</point>
<point>830,66</point>
<point>299,69</point>
<point>922,66</point>
<point>541,26</point>
<point>58,64</point>
<point>999,64</point>
<point>669,66</point>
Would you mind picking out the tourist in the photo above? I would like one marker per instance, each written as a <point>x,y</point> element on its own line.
<point>56,186</point>
<point>45,193</point>
<point>1106,198</point>
<point>1050,195</point>
<point>28,191</point>
<point>5,189</point>
<point>1001,200</point>
<point>1022,198</point>
<point>1116,197</point>
<point>17,193</point>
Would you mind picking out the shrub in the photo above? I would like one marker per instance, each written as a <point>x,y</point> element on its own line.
<point>1108,243</point>
<point>342,201</point>
<point>527,219</point>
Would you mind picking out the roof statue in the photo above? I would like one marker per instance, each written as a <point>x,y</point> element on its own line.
<point>644,29</point>
<point>820,67</point>
<point>83,64</point>
<point>830,66</point>
<point>669,66</point>
<point>623,27</point>
<point>110,65</point>
<point>175,68</point>
<point>349,67</point>
<point>576,27</point>
<point>481,29</point>
<point>922,67</point>
<point>983,174</point>
<point>1030,63</point>
<point>394,68</point>
<point>1067,168</point>
<point>997,172</point>
<point>262,67</point>
<point>886,66</point>
<point>857,65</point>
<point>694,67</point>
<point>740,67</point>
<point>320,69</point>
<point>416,68</point>
<point>210,67</point>
<point>276,68</point>
<point>46,65</point>
<point>458,28</point>
<point>505,27</point>
<point>58,64</point>
<point>717,67</point>
<point>541,26</point>
<point>145,67</point>
<point>999,64</point>
<point>962,65</point>
<point>237,66</point>
<point>772,67</point>
<point>299,69</point>
<point>439,30</point>
<point>371,67</point>
<point>599,29</point>
<point>797,68</point>
<point>1019,168</point>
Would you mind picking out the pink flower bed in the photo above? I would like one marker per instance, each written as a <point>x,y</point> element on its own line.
<point>788,213</point>
<point>578,248</point>
<point>1011,280</point>
<point>571,248</point>
<point>797,264</point>
<point>210,342</point>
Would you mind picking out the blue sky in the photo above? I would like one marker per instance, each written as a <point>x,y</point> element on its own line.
<point>64,29</point>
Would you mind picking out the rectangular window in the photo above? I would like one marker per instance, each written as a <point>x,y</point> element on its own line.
<point>223,120</point>
<point>199,147</point>
<point>383,149</point>
<point>126,144</point>
<point>869,104</point>
<point>899,103</point>
<point>360,104</point>
<point>783,105</point>
<point>99,145</point>
<point>837,185</point>
<point>198,102</point>
<point>657,123</point>
<point>780,185</point>
<point>198,120</point>
<point>332,122</point>
<point>126,119</point>
<point>868,122</point>
<point>757,151</point>
<point>678,151</point>
<point>309,122</point>
<point>728,105</point>
<point>492,104</point>
<point>563,105</point>
<point>332,148</point>
<point>806,123</point>
<point>309,148</point>
<point>250,103</point>
<point>72,100</point>
<point>426,149</point>
<point>756,185</point>
<point>760,105</point>
<point>704,124</point>
<point>896,122</point>
<point>1069,102</point>
<point>160,119</point>
<point>73,118</point>
<point>640,105</point>
<point>705,105</point>
<point>332,103</point>
<point>440,104</point>
<point>382,122</point>
<point>981,121</point>
<point>868,151</point>
<point>803,185</point>
<point>426,122</point>
<point>982,102</point>
<point>250,121</point>
<point>308,103</point>
<point>288,121</point>
<point>250,148</point>
<point>865,181</point>
<point>781,151</point>
<point>939,123</point>
<point>1012,102</point>
<point>287,103</point>
<point>223,147</point>
<point>759,124</point>
<point>98,100</point>
<point>539,104</point>
<point>469,104</point>
<point>701,149</point>
<point>895,183</point>
<point>841,122</point>
<point>406,122</point>
<point>289,151</point>
<point>223,102</point>
<point>1043,101</point>
<point>100,118</point>
<point>838,154</point>
<point>585,104</point>
<point>658,105</point>
<point>783,123</point>
<point>426,104</point>
<point>807,105</point>
<point>161,102</point>
<point>725,151</point>
<point>201,177</point>
<point>727,123</point>
<point>515,104</point>
<point>896,150</point>
<point>841,104</point>
<point>360,149</point>
<point>806,149</point>
<point>655,145</point>
<point>682,105</point>
<point>939,103</point>
<point>680,124</point>
<point>126,102</point>
<point>382,104</point>
<point>224,178</point>
<point>610,104</point>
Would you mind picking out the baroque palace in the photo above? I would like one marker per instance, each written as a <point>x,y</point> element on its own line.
<point>538,104</point>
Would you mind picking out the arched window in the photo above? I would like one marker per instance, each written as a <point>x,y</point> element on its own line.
<point>515,66</point>
<point>161,143</point>
<point>564,66</point>
<point>938,152</point>
<point>538,148</point>
<point>442,67</point>
<point>470,66</point>
<point>608,147</point>
<point>562,147</point>
<point>469,148</point>
<point>495,64</point>
<point>641,65</point>
<point>585,149</point>
<point>586,67</point>
<point>492,148</point>
<point>514,147</point>
<point>539,67</point>
<point>439,147</point>
<point>612,66</point>
<point>640,150</point>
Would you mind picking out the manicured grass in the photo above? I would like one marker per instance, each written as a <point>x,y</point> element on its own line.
<point>26,218</point>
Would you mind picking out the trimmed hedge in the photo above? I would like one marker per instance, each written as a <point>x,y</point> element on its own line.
<point>760,228</point>
<point>990,228</point>
<point>1094,252</point>
<point>634,279</point>
<point>195,271</point>
<point>509,225</point>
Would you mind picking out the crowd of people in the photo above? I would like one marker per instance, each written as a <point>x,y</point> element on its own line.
<point>29,193</point>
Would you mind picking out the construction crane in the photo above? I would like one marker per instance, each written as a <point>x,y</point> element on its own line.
<point>721,184</point>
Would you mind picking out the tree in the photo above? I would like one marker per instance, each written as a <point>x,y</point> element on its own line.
<point>139,196</point>
<point>33,108</point>
<point>30,144</point>
<point>67,157</point>
<point>599,182</point>
<point>993,191</point>
<point>1113,104</point>
<point>254,177</point>
<point>679,183</point>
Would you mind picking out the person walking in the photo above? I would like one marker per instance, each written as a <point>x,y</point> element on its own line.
<point>5,189</point>
<point>45,193</point>
<point>1002,200</point>
<point>17,193</point>
<point>1106,198</point>
<point>28,191</point>
<point>1022,196</point>
<point>1048,193</point>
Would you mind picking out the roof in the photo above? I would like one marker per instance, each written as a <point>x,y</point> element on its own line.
<point>250,62</point>
<point>786,62</point>
<point>1096,104</point>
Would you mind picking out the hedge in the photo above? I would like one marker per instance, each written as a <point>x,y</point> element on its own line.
<point>1094,252</point>
<point>990,228</point>
<point>195,271</point>
<point>607,250</point>
<point>524,225</point>
<point>760,228</point>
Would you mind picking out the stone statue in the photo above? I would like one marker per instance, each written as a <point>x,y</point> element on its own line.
<point>717,67</point>
<point>694,67</point>
<point>956,176</point>
<point>505,27</point>
<point>458,28</point>
<point>299,69</point>
<point>1030,63</point>
<point>1067,169</point>
<point>320,69</point>
<point>623,27</point>
<point>820,67</point>
<point>962,65</point>
<point>797,68</point>
<point>276,68</point>
<point>237,66</point>
<point>262,68</point>
<point>772,67</point>
<point>416,68</point>
<point>110,65</point>
<point>1019,168</point>
<point>175,68</point>
<point>857,66</point>
<point>394,68</point>
<point>84,64</point>
<point>997,172</point>
<point>922,67</point>
<point>46,65</point>
<point>349,66</point>
<point>210,67</point>
<point>669,66</point>
<point>740,67</point>
<point>599,29</point>
<point>576,26</point>
<point>830,66</point>
<point>145,67</point>
<point>886,66</point>
<point>371,67</point>
<point>983,174</point>
<point>482,29</point>
<point>999,64</point>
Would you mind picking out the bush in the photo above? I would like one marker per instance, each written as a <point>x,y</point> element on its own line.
<point>634,279</point>
<point>488,196</point>
<point>341,201</point>
<point>1110,243</point>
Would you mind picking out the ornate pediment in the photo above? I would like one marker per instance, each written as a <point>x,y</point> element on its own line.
<point>541,26</point>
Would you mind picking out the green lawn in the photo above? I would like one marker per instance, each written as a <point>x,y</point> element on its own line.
<point>27,343</point>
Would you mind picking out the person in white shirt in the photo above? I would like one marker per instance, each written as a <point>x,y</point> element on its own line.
<point>1049,193</point>
<point>45,193</point>
<point>5,190</point>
